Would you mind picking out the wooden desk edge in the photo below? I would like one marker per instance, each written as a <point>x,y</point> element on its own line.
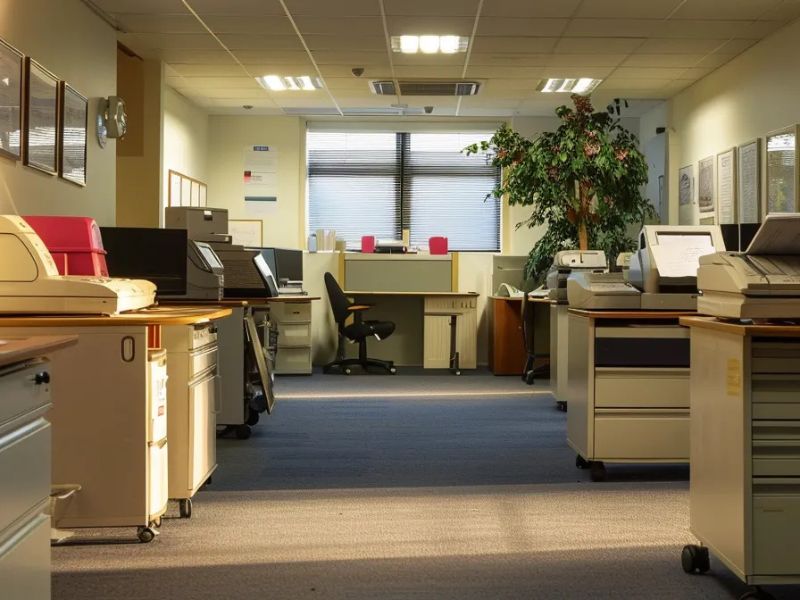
<point>631,314</point>
<point>190,315</point>
<point>19,349</point>
<point>386,293</point>
<point>237,302</point>
<point>741,329</point>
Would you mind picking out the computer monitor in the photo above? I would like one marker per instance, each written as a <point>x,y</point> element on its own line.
<point>288,264</point>
<point>738,236</point>
<point>269,257</point>
<point>158,255</point>
<point>266,275</point>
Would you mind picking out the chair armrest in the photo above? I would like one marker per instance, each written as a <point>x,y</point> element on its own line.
<point>359,307</point>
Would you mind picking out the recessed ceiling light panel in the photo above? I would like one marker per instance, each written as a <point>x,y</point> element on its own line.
<point>279,84</point>
<point>429,44</point>
<point>582,85</point>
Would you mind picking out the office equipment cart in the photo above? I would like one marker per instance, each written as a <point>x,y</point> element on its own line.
<point>744,492</point>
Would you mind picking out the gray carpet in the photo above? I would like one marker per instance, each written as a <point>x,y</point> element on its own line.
<point>414,486</point>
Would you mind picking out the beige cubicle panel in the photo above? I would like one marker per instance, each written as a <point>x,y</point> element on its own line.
<point>400,272</point>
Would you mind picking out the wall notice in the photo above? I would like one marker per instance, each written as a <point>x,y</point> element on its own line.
<point>260,179</point>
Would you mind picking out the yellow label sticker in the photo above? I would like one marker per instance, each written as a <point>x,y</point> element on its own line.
<point>734,378</point>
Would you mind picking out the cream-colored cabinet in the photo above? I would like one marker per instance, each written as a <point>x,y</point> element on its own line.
<point>442,313</point>
<point>292,318</point>
<point>744,492</point>
<point>627,384</point>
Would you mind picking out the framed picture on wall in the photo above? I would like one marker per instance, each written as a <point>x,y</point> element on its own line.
<point>726,187</point>
<point>41,118</point>
<point>748,188</point>
<point>74,125</point>
<point>11,63</point>
<point>782,171</point>
<point>705,188</point>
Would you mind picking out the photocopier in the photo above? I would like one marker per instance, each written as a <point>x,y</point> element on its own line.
<point>566,262</point>
<point>30,283</point>
<point>761,283</point>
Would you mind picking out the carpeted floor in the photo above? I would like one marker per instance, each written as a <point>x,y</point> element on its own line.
<point>413,486</point>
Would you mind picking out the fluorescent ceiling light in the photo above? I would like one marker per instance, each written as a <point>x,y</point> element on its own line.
<point>583,85</point>
<point>279,84</point>
<point>429,44</point>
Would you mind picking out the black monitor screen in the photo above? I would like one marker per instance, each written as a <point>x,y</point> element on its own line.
<point>158,255</point>
<point>269,257</point>
<point>266,275</point>
<point>737,237</point>
<point>289,264</point>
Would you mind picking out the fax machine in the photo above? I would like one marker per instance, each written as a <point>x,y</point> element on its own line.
<point>761,283</point>
<point>665,266</point>
<point>571,261</point>
<point>30,283</point>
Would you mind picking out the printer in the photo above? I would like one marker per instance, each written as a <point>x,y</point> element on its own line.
<point>570,261</point>
<point>30,283</point>
<point>604,291</point>
<point>665,267</point>
<point>761,283</point>
<point>202,224</point>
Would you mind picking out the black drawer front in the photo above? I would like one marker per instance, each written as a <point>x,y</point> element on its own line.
<point>637,352</point>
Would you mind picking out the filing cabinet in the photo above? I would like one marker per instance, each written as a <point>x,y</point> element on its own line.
<point>292,318</point>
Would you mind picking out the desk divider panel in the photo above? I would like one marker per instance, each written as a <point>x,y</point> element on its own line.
<point>400,273</point>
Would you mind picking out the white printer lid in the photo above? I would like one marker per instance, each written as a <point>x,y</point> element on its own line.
<point>779,234</point>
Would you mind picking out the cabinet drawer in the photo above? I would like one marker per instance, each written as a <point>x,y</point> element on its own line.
<point>641,435</point>
<point>293,361</point>
<point>776,458</point>
<point>202,360</point>
<point>290,312</point>
<point>776,534</point>
<point>776,430</point>
<point>294,334</point>
<point>24,470</point>
<point>20,392</point>
<point>775,388</point>
<point>25,561</point>
<point>157,478</point>
<point>157,382</point>
<point>641,388</point>
<point>202,429</point>
<point>449,304</point>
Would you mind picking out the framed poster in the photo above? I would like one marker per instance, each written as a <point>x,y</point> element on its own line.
<point>246,232</point>
<point>686,195</point>
<point>41,118</point>
<point>11,63</point>
<point>726,187</point>
<point>705,187</point>
<point>748,182</point>
<point>74,125</point>
<point>782,170</point>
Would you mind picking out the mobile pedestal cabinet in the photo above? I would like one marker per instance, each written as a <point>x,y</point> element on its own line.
<point>627,388</point>
<point>744,491</point>
<point>559,351</point>
<point>110,414</point>
<point>25,466</point>
<point>291,316</point>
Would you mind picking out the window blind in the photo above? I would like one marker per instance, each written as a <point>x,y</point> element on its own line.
<point>377,183</point>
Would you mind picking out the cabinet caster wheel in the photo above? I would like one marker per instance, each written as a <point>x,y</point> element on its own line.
<point>694,559</point>
<point>597,471</point>
<point>581,462</point>
<point>252,417</point>
<point>185,508</point>
<point>561,405</point>
<point>347,371</point>
<point>458,372</point>
<point>243,432</point>
<point>529,378</point>
<point>392,370</point>
<point>208,481</point>
<point>146,534</point>
<point>157,522</point>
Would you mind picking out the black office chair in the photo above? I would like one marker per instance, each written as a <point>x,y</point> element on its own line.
<point>357,331</point>
<point>530,371</point>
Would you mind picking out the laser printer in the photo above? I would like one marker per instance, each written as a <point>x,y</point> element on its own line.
<point>201,224</point>
<point>761,283</point>
<point>30,283</point>
<point>664,268</point>
<point>569,261</point>
<point>604,291</point>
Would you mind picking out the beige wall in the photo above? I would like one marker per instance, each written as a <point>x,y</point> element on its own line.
<point>185,141</point>
<point>752,95</point>
<point>67,38</point>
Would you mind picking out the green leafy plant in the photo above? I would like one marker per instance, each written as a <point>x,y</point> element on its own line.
<point>583,181</point>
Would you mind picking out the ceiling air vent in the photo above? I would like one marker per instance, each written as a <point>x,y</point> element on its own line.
<point>411,87</point>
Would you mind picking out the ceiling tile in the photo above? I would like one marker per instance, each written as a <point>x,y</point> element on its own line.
<point>207,70</point>
<point>361,43</point>
<point>725,9</point>
<point>585,60</point>
<point>148,7</point>
<point>343,84</point>
<point>611,28</point>
<point>441,8</point>
<point>577,72</point>
<point>340,8</point>
<point>505,71</point>
<point>247,41</point>
<point>673,46</point>
<point>184,41</point>
<point>736,46</point>
<point>505,60</point>
<point>502,26</point>
<point>713,61</point>
<point>214,82</point>
<point>786,11</point>
<point>628,9</point>
<point>350,57</point>
<point>418,25</point>
<point>425,72</point>
<point>158,23</point>
<point>248,93</point>
<point>582,45</point>
<point>518,45</point>
<point>347,26</point>
<point>201,57</point>
<point>272,57</point>
<point>662,60</point>
<point>429,60</point>
<point>529,8</point>
<point>235,7</point>
<point>635,83</point>
<point>262,25</point>
<point>649,72</point>
<point>371,71</point>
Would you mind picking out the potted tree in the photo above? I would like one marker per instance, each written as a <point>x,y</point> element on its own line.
<point>583,181</point>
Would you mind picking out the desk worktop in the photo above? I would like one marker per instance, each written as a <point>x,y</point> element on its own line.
<point>743,329</point>
<point>631,314</point>
<point>441,294</point>
<point>14,350</point>
<point>237,302</point>
<point>157,315</point>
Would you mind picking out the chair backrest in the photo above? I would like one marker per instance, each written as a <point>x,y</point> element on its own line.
<point>339,302</point>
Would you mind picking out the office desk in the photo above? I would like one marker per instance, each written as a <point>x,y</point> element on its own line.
<point>744,492</point>
<point>627,388</point>
<point>25,465</point>
<point>507,352</point>
<point>110,413</point>
<point>433,312</point>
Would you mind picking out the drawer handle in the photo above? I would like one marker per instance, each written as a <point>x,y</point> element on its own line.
<point>41,378</point>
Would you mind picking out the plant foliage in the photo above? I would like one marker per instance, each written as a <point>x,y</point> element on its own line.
<point>583,181</point>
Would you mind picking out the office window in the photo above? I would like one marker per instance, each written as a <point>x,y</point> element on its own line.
<point>367,183</point>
